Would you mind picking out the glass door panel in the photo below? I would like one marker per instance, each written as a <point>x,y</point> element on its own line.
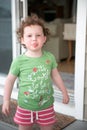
<point>5,36</point>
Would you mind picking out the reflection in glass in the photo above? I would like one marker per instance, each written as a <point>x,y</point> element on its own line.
<point>5,36</point>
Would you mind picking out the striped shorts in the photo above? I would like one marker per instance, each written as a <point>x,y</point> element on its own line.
<point>28,117</point>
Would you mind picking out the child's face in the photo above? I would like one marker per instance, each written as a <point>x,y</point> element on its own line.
<point>33,37</point>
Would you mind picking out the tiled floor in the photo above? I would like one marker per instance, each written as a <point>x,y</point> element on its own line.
<point>77,125</point>
<point>4,126</point>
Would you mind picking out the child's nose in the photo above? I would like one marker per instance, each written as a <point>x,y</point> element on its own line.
<point>34,37</point>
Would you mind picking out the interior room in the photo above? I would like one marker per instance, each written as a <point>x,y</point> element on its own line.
<point>60,18</point>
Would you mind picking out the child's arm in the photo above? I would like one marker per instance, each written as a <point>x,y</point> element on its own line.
<point>7,93</point>
<point>59,83</point>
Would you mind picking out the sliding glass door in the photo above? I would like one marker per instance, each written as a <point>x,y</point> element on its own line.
<point>10,48</point>
<point>5,36</point>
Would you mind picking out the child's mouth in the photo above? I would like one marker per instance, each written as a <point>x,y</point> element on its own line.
<point>35,45</point>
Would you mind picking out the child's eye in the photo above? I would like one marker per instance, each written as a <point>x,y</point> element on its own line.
<point>38,35</point>
<point>29,35</point>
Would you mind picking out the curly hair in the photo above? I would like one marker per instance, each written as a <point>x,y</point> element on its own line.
<point>31,20</point>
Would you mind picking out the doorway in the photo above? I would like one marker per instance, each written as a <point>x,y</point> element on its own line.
<point>55,15</point>
<point>76,109</point>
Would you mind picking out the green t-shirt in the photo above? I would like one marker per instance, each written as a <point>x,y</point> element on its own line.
<point>35,84</point>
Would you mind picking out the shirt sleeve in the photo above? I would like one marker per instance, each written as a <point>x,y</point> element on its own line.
<point>54,63</point>
<point>14,68</point>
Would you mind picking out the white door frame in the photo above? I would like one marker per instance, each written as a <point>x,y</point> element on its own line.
<point>80,58</point>
<point>75,110</point>
<point>19,12</point>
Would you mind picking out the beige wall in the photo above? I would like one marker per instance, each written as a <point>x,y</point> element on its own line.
<point>85,91</point>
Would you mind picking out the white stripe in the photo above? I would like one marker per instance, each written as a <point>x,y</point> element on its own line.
<point>47,118</point>
<point>23,109</point>
<point>20,122</point>
<point>47,114</point>
<point>51,108</point>
<point>32,116</point>
<point>36,115</point>
<point>23,113</point>
<point>21,117</point>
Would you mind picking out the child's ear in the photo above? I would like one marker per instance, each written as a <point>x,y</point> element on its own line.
<point>22,42</point>
<point>45,38</point>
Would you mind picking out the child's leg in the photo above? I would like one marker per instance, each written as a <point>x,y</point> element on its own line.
<point>25,127</point>
<point>49,127</point>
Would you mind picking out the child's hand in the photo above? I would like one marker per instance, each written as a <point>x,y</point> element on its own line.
<point>6,108</point>
<point>65,98</point>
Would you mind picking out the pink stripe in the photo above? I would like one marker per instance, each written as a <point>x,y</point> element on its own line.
<point>44,119</point>
<point>22,110</point>
<point>22,115</point>
<point>46,123</point>
<point>22,122</point>
<point>46,110</point>
<point>46,115</point>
